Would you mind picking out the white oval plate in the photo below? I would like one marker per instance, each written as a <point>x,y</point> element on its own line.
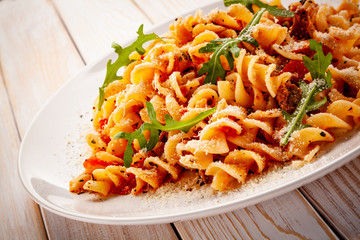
<point>53,148</point>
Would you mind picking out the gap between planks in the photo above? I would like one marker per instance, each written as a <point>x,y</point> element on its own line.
<point>2,78</point>
<point>67,30</point>
<point>8,104</point>
<point>142,11</point>
<point>320,214</point>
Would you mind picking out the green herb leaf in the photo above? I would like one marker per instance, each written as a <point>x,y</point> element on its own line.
<point>138,134</point>
<point>229,48</point>
<point>321,81</point>
<point>155,128</point>
<point>318,66</point>
<point>123,60</point>
<point>273,10</point>
<point>171,124</point>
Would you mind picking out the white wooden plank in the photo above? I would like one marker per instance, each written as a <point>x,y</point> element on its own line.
<point>95,24</point>
<point>19,215</point>
<point>337,197</point>
<point>37,56</point>
<point>98,231</point>
<point>286,217</point>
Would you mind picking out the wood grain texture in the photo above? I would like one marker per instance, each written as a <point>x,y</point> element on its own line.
<point>80,230</point>
<point>337,197</point>
<point>95,24</point>
<point>286,217</point>
<point>36,54</point>
<point>20,216</point>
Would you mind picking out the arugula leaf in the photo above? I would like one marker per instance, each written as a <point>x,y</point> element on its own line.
<point>123,60</point>
<point>138,134</point>
<point>155,128</point>
<point>229,48</point>
<point>171,124</point>
<point>321,81</point>
<point>318,66</point>
<point>273,10</point>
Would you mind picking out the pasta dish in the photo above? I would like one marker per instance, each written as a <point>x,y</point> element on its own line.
<point>225,95</point>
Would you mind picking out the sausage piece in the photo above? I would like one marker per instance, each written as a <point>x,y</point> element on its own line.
<point>288,97</point>
<point>304,19</point>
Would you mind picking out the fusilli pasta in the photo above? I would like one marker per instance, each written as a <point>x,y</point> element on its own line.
<point>243,135</point>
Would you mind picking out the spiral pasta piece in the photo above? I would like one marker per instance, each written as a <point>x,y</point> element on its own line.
<point>327,120</point>
<point>236,165</point>
<point>345,110</point>
<point>301,140</point>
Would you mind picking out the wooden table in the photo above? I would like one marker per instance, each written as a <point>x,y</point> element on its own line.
<point>43,43</point>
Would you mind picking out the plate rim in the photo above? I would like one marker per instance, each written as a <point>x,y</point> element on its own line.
<point>174,217</point>
<point>205,212</point>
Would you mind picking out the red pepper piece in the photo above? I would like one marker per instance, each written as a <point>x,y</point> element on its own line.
<point>297,68</point>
